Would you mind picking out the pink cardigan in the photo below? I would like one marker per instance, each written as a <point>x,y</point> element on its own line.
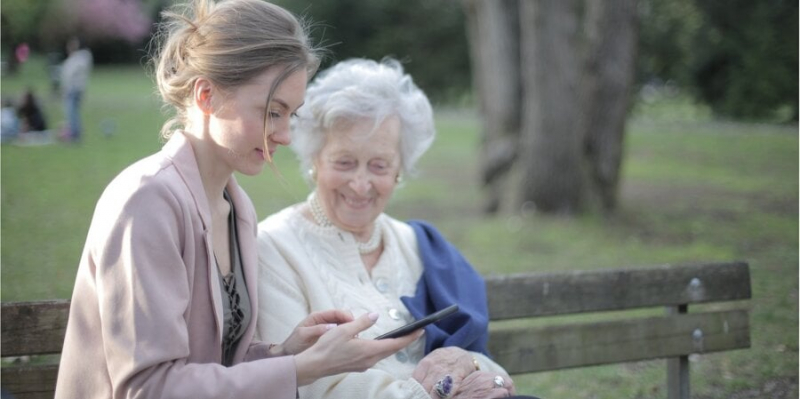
<point>146,311</point>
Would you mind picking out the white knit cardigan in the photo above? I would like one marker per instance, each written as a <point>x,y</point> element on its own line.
<point>306,268</point>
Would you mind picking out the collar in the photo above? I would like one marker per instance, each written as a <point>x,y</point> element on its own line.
<point>179,150</point>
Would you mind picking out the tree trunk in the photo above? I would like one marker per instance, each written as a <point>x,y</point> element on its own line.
<point>611,31</point>
<point>493,30</point>
<point>554,173</point>
<point>554,80</point>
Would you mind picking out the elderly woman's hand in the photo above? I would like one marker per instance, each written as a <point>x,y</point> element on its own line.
<point>484,385</point>
<point>452,361</point>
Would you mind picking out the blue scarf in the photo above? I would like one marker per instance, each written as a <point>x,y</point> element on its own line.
<point>448,279</point>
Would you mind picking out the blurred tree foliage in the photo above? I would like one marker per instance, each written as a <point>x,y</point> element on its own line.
<point>116,30</point>
<point>738,56</point>
<point>20,20</point>
<point>427,36</point>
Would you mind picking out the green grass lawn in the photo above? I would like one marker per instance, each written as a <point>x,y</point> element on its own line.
<point>693,190</point>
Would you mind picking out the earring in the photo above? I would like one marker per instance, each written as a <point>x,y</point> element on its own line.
<point>398,178</point>
<point>205,104</point>
<point>312,173</point>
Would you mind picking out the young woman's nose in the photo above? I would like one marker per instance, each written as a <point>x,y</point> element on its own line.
<point>282,134</point>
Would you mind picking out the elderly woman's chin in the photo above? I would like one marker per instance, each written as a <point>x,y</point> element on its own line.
<point>358,219</point>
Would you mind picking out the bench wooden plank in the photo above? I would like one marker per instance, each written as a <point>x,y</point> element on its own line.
<point>38,327</point>
<point>547,294</point>
<point>30,382</point>
<point>33,328</point>
<point>533,349</point>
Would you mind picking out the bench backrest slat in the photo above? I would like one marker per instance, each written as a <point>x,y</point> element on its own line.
<point>548,294</point>
<point>544,348</point>
<point>30,382</point>
<point>33,328</point>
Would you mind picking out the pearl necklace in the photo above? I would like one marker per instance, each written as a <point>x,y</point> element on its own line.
<point>319,216</point>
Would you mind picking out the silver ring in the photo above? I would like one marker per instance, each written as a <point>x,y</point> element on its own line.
<point>499,382</point>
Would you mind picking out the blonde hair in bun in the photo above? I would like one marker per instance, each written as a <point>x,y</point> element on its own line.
<point>229,42</point>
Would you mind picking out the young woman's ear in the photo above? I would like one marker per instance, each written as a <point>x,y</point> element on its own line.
<point>202,95</point>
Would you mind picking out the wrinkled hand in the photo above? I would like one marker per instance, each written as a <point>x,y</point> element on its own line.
<point>309,330</point>
<point>480,385</point>
<point>451,360</point>
<point>340,351</point>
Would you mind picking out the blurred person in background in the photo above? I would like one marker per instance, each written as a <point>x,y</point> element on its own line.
<point>31,116</point>
<point>362,129</point>
<point>9,121</point>
<point>74,77</point>
<point>165,303</point>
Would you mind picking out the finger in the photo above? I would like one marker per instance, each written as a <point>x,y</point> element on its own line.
<point>508,384</point>
<point>427,367</point>
<point>512,390</point>
<point>498,393</point>
<point>375,350</point>
<point>443,361</point>
<point>312,333</point>
<point>382,348</point>
<point>431,372</point>
<point>405,340</point>
<point>448,386</point>
<point>332,316</point>
<point>506,390</point>
<point>358,325</point>
<point>434,375</point>
<point>421,371</point>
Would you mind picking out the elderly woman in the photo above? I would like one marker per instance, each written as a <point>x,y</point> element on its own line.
<point>363,127</point>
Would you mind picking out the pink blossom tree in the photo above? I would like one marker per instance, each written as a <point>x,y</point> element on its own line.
<point>124,19</point>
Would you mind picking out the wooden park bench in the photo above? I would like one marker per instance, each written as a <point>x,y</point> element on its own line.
<point>524,346</point>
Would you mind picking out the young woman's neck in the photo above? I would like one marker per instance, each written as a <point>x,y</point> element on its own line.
<point>214,174</point>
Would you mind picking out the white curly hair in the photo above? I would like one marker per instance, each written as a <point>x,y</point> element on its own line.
<point>360,88</point>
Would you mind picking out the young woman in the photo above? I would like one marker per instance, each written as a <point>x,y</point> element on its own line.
<point>165,301</point>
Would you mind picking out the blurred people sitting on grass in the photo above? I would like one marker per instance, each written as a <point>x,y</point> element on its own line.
<point>74,78</point>
<point>32,122</point>
<point>9,120</point>
<point>30,114</point>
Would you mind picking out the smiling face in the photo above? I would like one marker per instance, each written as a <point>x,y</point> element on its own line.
<point>238,124</point>
<point>357,171</point>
